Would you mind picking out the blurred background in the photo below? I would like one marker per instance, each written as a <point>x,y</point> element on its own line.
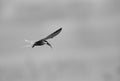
<point>87,49</point>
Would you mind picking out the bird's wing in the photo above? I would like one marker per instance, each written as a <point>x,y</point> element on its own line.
<point>49,44</point>
<point>53,34</point>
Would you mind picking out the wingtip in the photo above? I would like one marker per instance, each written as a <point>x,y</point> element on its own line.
<point>61,28</point>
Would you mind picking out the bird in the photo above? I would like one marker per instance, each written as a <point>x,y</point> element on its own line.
<point>44,40</point>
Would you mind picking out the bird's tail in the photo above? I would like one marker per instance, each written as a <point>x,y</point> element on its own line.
<point>49,44</point>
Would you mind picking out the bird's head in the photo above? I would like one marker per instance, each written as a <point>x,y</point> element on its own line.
<point>34,45</point>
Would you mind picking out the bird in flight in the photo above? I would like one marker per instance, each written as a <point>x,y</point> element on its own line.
<point>44,40</point>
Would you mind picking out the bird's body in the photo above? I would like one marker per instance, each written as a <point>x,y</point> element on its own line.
<point>44,40</point>
<point>38,43</point>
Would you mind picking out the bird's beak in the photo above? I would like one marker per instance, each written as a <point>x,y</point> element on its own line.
<point>33,46</point>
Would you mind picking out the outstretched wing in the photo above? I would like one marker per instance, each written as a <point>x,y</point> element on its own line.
<point>49,44</point>
<point>53,34</point>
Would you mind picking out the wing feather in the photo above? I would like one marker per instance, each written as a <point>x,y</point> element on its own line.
<point>53,34</point>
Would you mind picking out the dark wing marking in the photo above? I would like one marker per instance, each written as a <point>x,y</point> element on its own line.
<point>53,34</point>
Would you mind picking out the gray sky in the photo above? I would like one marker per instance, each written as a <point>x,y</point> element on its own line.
<point>90,38</point>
